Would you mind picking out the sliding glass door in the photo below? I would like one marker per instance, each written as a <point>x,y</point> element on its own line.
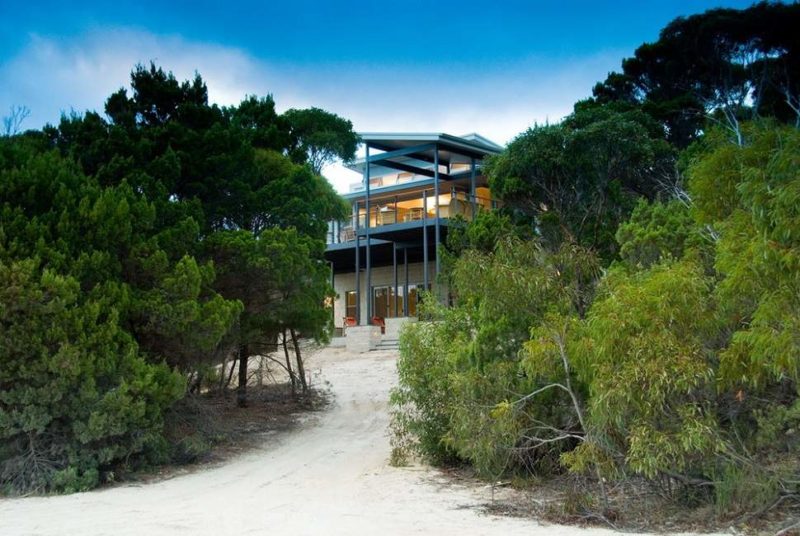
<point>383,300</point>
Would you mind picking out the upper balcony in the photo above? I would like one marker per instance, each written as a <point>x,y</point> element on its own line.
<point>384,178</point>
<point>408,211</point>
<point>411,181</point>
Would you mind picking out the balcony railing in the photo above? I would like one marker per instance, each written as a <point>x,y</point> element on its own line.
<point>402,209</point>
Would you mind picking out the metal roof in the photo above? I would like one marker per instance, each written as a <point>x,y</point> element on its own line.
<point>472,143</point>
<point>450,148</point>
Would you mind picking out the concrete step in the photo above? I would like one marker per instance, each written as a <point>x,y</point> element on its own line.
<point>388,344</point>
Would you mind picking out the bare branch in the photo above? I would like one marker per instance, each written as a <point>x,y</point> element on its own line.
<point>13,121</point>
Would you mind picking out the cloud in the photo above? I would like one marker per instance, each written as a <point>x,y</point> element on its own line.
<point>55,75</point>
<point>52,75</point>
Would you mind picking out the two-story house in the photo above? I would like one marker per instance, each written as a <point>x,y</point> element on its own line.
<point>412,186</point>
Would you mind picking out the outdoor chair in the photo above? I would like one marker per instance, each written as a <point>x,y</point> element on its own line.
<point>379,321</point>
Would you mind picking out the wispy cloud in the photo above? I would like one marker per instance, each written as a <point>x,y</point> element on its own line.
<point>55,75</point>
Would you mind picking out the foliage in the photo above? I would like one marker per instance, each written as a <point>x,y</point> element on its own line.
<point>280,278</point>
<point>320,137</point>
<point>680,367</point>
<point>423,401</point>
<point>170,234</point>
<point>579,179</point>
<point>725,63</point>
<point>108,239</point>
<point>758,253</point>
<point>659,231</point>
<point>169,142</point>
<point>649,370</point>
<point>459,373</point>
<point>76,397</point>
<point>482,233</point>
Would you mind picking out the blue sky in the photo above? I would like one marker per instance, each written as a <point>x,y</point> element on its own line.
<point>495,67</point>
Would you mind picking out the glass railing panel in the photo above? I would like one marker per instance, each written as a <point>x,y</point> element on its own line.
<point>410,208</point>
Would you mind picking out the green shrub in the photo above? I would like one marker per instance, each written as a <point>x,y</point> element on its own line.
<point>75,396</point>
<point>659,231</point>
<point>461,372</point>
<point>422,401</point>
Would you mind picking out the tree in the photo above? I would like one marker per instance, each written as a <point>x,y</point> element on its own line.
<point>13,121</point>
<point>77,397</point>
<point>651,330</point>
<point>461,376</point>
<point>281,280</point>
<point>109,240</point>
<point>235,163</point>
<point>136,250</point>
<point>576,181</point>
<point>749,196</point>
<point>660,231</point>
<point>724,64</point>
<point>320,137</point>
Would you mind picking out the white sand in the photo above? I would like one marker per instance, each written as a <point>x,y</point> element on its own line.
<point>330,476</point>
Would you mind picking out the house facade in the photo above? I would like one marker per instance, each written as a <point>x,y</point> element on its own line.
<point>414,187</point>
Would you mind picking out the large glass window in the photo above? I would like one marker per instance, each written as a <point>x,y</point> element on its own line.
<point>350,303</point>
<point>383,301</point>
<point>414,297</point>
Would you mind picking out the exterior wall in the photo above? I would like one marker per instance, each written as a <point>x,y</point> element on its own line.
<point>362,339</point>
<point>381,276</point>
<point>394,325</point>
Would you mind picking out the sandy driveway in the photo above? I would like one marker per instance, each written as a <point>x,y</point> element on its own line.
<point>329,477</point>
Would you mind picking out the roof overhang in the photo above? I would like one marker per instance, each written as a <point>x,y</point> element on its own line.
<point>415,152</point>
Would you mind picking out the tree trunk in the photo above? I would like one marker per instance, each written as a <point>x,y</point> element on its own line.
<point>194,382</point>
<point>230,374</point>
<point>241,391</point>
<point>301,371</point>
<point>222,369</point>
<point>289,364</point>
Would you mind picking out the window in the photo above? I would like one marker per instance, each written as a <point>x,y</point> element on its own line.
<point>414,297</point>
<point>380,301</point>
<point>350,303</point>
<point>383,301</point>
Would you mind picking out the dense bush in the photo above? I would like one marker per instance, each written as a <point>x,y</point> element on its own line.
<point>680,367</point>
<point>577,180</point>
<point>76,397</point>
<point>460,373</point>
<point>140,253</point>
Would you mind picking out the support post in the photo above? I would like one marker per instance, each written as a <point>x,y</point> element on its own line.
<point>405,287</point>
<point>358,264</point>
<point>394,263</point>
<point>436,223</point>
<point>333,308</point>
<point>425,238</point>
<point>358,277</point>
<point>472,186</point>
<point>368,251</point>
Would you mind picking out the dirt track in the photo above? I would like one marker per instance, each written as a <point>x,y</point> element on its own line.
<point>330,476</point>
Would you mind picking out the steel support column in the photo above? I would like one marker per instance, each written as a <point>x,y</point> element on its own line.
<point>472,185</point>
<point>394,263</point>
<point>425,238</point>
<point>358,277</point>
<point>405,288</point>
<point>436,223</point>
<point>366,230</point>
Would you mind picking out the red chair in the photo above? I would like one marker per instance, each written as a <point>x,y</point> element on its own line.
<point>347,322</point>
<point>378,321</point>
